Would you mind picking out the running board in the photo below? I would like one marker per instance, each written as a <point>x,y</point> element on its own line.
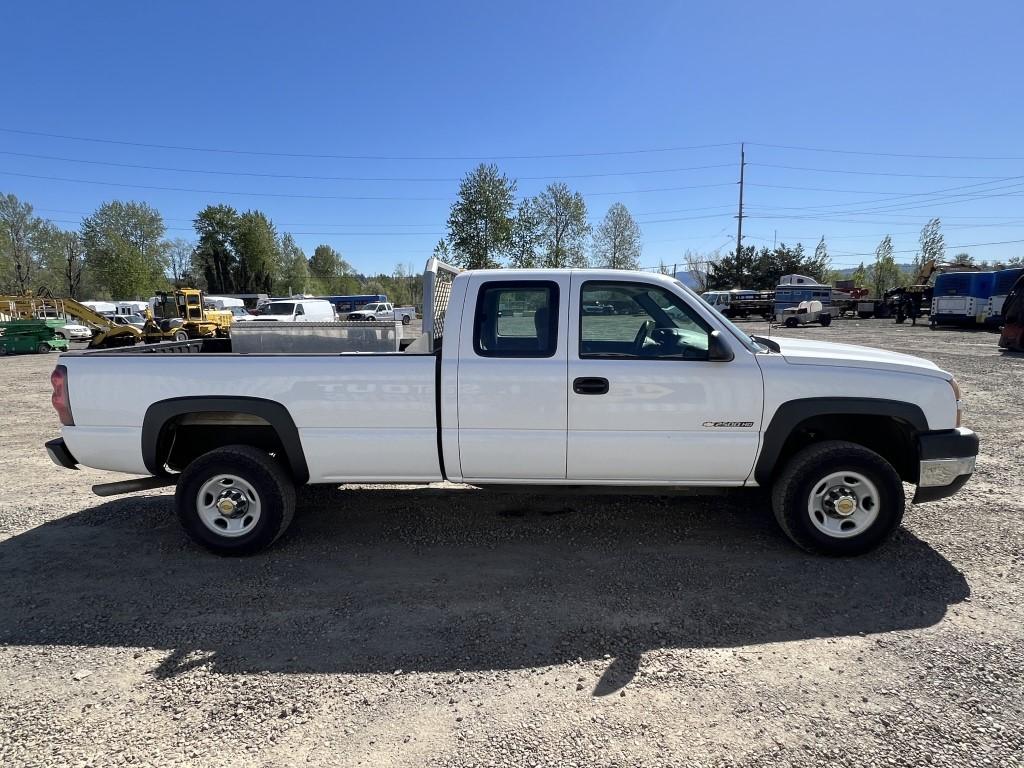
<point>133,486</point>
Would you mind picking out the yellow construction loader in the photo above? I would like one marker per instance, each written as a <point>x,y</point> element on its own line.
<point>181,315</point>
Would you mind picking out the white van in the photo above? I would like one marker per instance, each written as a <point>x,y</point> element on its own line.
<point>297,311</point>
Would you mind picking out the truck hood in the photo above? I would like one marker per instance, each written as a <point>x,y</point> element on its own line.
<point>810,352</point>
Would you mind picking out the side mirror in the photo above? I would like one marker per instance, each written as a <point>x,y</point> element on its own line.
<point>718,350</point>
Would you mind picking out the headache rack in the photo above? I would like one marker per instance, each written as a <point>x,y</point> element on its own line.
<point>437,291</point>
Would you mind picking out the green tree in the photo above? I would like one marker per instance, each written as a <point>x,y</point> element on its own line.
<point>63,259</point>
<point>563,226</point>
<point>617,240</point>
<point>181,263</point>
<point>215,254</point>
<point>442,252</point>
<point>524,248</point>
<point>964,258</point>
<point>885,274</point>
<point>480,221</point>
<point>820,264</point>
<point>860,276</point>
<point>933,245</point>
<point>294,276</point>
<point>18,230</point>
<point>330,273</point>
<point>124,248</point>
<point>254,242</point>
<point>735,270</point>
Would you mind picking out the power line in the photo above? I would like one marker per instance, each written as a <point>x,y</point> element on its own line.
<point>429,179</point>
<point>870,173</point>
<point>325,197</point>
<point>887,154</point>
<point>326,156</point>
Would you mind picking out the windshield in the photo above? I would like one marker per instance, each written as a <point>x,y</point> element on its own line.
<point>279,308</point>
<point>745,338</point>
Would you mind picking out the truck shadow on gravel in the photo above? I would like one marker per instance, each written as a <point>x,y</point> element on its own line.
<point>442,580</point>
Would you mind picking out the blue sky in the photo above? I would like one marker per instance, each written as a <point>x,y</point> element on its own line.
<point>414,94</point>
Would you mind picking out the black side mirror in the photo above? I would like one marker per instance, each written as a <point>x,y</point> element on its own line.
<point>718,350</point>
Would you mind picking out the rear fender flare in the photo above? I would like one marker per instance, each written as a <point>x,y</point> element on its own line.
<point>275,414</point>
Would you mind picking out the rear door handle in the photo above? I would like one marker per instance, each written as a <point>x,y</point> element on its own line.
<point>590,385</point>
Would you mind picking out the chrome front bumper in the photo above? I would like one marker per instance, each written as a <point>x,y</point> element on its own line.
<point>947,462</point>
<point>938,472</point>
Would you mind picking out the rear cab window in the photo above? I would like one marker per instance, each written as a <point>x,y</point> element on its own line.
<point>516,318</point>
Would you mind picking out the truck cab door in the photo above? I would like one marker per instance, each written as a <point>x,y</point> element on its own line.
<point>647,404</point>
<point>512,379</point>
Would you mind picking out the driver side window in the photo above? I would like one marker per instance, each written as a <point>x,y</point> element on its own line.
<point>638,320</point>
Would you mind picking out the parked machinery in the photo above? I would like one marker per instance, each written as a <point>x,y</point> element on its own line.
<point>181,315</point>
<point>21,336</point>
<point>106,333</point>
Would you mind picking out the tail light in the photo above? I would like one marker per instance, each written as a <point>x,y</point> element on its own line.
<point>60,400</point>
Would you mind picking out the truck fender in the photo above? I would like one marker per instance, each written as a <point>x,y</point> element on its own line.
<point>792,413</point>
<point>275,414</point>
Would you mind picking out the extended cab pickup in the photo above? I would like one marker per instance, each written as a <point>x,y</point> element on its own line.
<point>515,383</point>
<point>384,310</point>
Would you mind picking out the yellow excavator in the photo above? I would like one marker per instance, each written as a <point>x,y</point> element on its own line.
<point>181,315</point>
<point>105,332</point>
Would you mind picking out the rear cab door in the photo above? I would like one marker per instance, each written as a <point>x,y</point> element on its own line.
<point>646,405</point>
<point>512,387</point>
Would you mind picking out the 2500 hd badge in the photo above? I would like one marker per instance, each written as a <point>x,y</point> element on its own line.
<point>728,424</point>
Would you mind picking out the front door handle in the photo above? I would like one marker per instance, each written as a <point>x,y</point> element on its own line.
<point>590,385</point>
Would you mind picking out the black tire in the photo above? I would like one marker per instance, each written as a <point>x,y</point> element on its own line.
<point>406,319</point>
<point>825,320</point>
<point>181,336</point>
<point>791,322</point>
<point>43,348</point>
<point>274,489</point>
<point>805,473</point>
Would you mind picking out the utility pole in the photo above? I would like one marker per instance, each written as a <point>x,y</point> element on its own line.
<point>739,215</point>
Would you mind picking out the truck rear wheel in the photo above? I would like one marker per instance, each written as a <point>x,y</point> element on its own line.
<point>235,500</point>
<point>838,498</point>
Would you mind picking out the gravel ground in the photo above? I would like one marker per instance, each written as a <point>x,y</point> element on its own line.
<point>443,626</point>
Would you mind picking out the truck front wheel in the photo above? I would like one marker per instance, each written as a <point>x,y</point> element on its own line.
<point>838,498</point>
<point>235,500</point>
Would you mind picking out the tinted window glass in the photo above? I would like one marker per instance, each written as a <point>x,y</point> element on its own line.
<point>516,319</point>
<point>644,321</point>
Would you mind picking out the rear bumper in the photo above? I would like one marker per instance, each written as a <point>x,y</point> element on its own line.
<point>947,462</point>
<point>60,455</point>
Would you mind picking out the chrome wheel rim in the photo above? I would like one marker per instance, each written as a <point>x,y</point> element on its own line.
<point>843,504</point>
<point>228,505</point>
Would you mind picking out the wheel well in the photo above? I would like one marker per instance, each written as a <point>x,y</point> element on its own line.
<point>889,437</point>
<point>188,436</point>
<point>175,432</point>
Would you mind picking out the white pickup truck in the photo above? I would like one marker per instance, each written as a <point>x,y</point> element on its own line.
<point>514,384</point>
<point>384,310</point>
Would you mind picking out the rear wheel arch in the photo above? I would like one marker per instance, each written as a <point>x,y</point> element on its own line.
<point>278,432</point>
<point>884,426</point>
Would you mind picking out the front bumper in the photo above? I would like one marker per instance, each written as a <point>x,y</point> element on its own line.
<point>946,463</point>
<point>60,455</point>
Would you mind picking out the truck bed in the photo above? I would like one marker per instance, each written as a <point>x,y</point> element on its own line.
<point>368,417</point>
